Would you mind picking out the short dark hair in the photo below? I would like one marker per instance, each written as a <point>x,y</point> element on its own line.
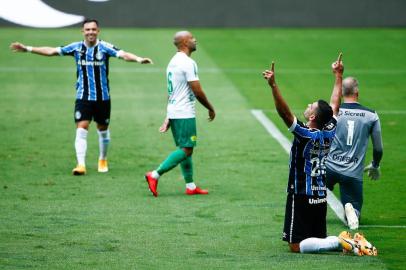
<point>87,20</point>
<point>324,113</point>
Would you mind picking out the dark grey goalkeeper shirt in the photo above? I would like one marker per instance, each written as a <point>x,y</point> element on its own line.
<point>355,124</point>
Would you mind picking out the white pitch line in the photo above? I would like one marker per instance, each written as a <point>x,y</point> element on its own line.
<point>332,200</point>
<point>383,226</point>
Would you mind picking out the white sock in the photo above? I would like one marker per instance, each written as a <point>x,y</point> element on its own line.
<point>191,186</point>
<point>81,145</point>
<point>104,140</point>
<point>155,174</point>
<point>316,245</point>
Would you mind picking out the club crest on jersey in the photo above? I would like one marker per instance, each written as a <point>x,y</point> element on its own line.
<point>99,56</point>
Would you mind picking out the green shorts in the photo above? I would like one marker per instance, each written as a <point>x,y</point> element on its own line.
<point>184,132</point>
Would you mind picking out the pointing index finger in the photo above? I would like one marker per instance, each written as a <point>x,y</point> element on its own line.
<point>340,56</point>
<point>273,66</point>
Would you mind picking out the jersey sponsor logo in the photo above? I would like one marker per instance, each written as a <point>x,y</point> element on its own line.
<point>346,159</point>
<point>90,63</point>
<point>317,188</point>
<point>317,201</point>
<point>325,148</point>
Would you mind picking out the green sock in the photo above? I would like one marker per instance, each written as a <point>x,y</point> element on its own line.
<point>171,161</point>
<point>187,169</point>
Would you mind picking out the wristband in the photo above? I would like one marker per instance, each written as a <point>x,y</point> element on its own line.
<point>28,48</point>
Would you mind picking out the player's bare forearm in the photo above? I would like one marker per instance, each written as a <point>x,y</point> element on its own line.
<point>201,97</point>
<point>130,57</point>
<point>335,99</point>
<point>206,103</point>
<point>338,70</point>
<point>44,51</point>
<point>281,106</point>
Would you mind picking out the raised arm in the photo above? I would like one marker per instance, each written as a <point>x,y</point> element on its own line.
<point>338,70</point>
<point>130,57</point>
<point>201,97</point>
<point>281,106</point>
<point>45,51</point>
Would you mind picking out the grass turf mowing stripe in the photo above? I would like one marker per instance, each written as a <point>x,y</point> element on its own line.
<point>208,70</point>
<point>50,220</point>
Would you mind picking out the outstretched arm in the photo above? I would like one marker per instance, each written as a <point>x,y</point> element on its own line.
<point>130,57</point>
<point>201,97</point>
<point>45,51</point>
<point>281,106</point>
<point>338,70</point>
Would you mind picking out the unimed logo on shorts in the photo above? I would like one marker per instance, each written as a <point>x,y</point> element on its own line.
<point>78,115</point>
<point>317,201</point>
<point>193,138</point>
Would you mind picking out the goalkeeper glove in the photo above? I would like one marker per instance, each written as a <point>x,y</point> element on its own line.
<point>373,172</point>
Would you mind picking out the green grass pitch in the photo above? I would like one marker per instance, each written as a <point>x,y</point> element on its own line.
<point>52,220</point>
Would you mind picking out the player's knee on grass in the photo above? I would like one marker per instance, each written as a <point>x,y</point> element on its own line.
<point>294,247</point>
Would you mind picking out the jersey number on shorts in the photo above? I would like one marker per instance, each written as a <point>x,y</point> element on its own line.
<point>350,132</point>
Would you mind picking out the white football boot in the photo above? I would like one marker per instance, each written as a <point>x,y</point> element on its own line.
<point>352,218</point>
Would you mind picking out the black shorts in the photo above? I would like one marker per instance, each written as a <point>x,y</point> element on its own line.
<point>304,217</point>
<point>99,111</point>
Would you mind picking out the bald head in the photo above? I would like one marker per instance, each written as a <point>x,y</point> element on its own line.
<point>180,37</point>
<point>184,41</point>
<point>350,87</point>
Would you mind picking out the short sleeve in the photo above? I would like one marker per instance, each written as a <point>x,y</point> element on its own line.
<point>292,127</point>
<point>191,71</point>
<point>300,130</point>
<point>68,49</point>
<point>110,49</point>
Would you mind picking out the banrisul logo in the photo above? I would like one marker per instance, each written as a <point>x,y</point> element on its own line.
<point>35,13</point>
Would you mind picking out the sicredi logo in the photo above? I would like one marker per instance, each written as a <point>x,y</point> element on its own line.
<point>36,13</point>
